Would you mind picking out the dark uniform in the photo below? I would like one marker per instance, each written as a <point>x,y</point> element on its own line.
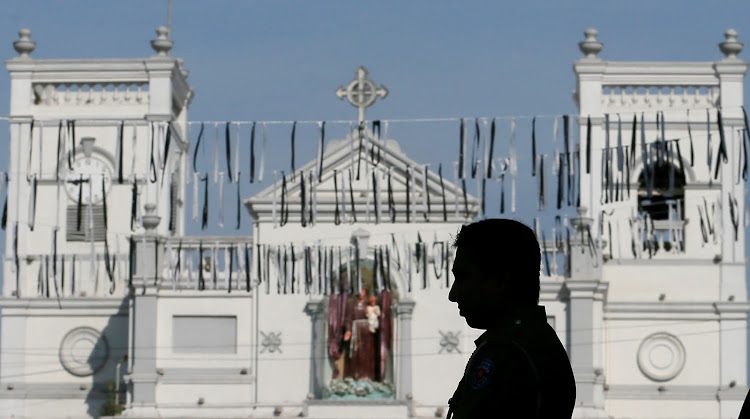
<point>518,370</point>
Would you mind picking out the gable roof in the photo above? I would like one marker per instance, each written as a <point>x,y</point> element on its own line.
<point>377,156</point>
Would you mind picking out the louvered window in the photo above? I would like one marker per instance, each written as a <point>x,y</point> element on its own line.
<point>74,234</point>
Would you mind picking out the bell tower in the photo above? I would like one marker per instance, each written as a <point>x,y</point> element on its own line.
<point>662,160</point>
<point>92,142</point>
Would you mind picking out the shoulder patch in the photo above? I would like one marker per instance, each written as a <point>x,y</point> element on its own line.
<point>481,374</point>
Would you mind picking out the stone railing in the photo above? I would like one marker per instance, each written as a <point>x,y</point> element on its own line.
<point>200,263</point>
<point>91,94</point>
<point>659,97</point>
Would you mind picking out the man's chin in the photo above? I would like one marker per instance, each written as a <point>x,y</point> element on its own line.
<point>473,322</point>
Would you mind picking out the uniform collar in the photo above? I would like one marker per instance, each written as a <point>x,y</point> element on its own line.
<point>505,326</point>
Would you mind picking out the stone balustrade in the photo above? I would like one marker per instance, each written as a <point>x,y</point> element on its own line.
<point>91,94</point>
<point>659,97</point>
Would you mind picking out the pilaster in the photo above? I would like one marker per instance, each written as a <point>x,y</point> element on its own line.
<point>404,311</point>
<point>316,310</point>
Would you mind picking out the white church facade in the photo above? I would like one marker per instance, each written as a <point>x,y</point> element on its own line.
<point>336,306</point>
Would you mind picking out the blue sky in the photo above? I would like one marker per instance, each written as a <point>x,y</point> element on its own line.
<point>283,60</point>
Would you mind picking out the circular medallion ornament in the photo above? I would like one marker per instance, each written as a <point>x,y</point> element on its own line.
<point>661,356</point>
<point>83,351</point>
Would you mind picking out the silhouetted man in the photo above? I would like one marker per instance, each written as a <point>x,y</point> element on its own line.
<point>519,368</point>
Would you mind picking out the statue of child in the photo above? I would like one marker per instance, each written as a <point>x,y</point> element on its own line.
<point>373,314</point>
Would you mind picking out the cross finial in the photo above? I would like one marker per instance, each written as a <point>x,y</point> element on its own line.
<point>361,92</point>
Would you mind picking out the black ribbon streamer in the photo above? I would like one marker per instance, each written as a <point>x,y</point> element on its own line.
<point>120,147</point>
<point>438,248</point>
<point>227,149</point>
<point>645,156</point>
<point>204,217</point>
<point>427,195</point>
<point>72,132</point>
<point>474,148</point>
<point>566,138</point>
<point>32,221</point>
<point>546,255</point>
<point>284,204</point>
<point>690,135</point>
<point>375,156</point>
<point>541,204</point>
<point>197,146</point>
<point>152,159</point>
<point>533,146</point>
<point>361,137</point>
<point>466,198</point>
<point>167,142</point>
<point>79,205</point>
<point>4,220</point>
<point>351,195</point>
<point>408,194</point>
<point>588,144</point>
<point>201,279</point>
<point>107,262</point>
<point>133,205</point>
<point>461,156</point>
<point>492,149</point>
<point>172,206</point>
<point>560,182</point>
<point>303,201</point>
<point>131,260</point>
<point>59,150</point>
<point>442,187</point>
<point>375,201</point>
<point>633,131</point>
<point>336,214</point>
<point>294,135</point>
<point>239,203</point>
<point>734,215</point>
<point>391,201</point>
<point>231,251</point>
<point>722,145</point>
<point>322,151</point>
<point>704,231</point>
<point>16,260</point>
<point>247,268</point>
<point>252,153</point>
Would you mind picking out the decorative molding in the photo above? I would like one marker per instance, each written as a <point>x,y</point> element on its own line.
<point>661,357</point>
<point>53,391</point>
<point>271,342</point>
<point>674,392</point>
<point>90,94</point>
<point>83,351</point>
<point>449,341</point>
<point>206,376</point>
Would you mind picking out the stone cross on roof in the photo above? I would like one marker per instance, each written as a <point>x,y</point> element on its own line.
<point>361,92</point>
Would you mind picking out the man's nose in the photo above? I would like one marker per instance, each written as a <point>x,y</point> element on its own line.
<point>453,294</point>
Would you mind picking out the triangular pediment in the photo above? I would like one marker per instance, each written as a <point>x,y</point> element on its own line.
<point>376,157</point>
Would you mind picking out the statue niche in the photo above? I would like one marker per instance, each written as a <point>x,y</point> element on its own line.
<point>360,335</point>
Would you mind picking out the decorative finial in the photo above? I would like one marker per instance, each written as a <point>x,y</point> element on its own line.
<point>88,145</point>
<point>591,46</point>
<point>162,44</point>
<point>150,220</point>
<point>361,92</point>
<point>730,48</point>
<point>24,45</point>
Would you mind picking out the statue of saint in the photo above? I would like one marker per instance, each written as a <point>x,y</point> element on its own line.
<point>362,338</point>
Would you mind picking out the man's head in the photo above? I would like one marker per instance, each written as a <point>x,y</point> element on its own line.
<point>496,270</point>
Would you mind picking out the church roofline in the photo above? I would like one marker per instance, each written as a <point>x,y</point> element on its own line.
<point>337,156</point>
